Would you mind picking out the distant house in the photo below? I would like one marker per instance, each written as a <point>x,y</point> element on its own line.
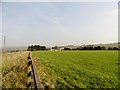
<point>61,49</point>
<point>51,49</point>
<point>56,49</point>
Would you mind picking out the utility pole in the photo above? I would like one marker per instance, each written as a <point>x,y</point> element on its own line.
<point>4,43</point>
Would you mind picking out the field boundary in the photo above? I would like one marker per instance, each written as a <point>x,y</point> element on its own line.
<point>35,79</point>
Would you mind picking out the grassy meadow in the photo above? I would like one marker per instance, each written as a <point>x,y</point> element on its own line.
<point>78,69</point>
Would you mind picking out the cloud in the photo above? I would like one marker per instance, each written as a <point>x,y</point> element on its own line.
<point>115,11</point>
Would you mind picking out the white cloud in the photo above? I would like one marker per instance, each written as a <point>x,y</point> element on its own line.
<point>114,12</point>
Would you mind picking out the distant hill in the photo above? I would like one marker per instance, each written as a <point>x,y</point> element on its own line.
<point>15,48</point>
<point>67,46</point>
<point>94,45</point>
<point>108,45</point>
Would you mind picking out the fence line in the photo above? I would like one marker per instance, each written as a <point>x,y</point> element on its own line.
<point>35,82</point>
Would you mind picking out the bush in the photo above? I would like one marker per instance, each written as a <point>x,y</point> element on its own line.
<point>67,49</point>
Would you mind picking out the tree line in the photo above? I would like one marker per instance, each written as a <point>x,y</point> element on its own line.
<point>36,47</point>
<point>89,47</point>
<point>92,48</point>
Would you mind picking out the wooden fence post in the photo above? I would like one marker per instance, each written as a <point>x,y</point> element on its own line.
<point>35,82</point>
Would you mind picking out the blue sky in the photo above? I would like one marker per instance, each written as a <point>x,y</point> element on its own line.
<point>53,24</point>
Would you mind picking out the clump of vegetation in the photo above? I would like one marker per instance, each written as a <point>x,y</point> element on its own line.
<point>36,47</point>
<point>78,69</point>
<point>14,68</point>
<point>85,47</point>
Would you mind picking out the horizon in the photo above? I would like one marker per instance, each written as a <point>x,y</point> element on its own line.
<point>61,23</point>
<point>22,48</point>
<point>61,45</point>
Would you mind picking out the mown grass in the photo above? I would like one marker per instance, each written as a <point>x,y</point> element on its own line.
<point>78,69</point>
<point>14,69</point>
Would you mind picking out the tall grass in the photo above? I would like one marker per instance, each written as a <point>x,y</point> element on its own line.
<point>14,69</point>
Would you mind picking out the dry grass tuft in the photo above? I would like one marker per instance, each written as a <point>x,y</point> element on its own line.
<point>14,69</point>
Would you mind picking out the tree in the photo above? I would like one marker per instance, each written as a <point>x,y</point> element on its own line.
<point>36,47</point>
<point>55,47</point>
<point>29,48</point>
<point>32,48</point>
<point>110,48</point>
<point>43,48</point>
<point>89,47</point>
<point>67,49</point>
<point>115,48</point>
<point>97,48</point>
<point>103,48</point>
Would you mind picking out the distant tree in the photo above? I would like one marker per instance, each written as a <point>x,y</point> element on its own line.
<point>66,49</point>
<point>115,48</point>
<point>43,48</point>
<point>35,47</point>
<point>32,48</point>
<point>47,48</point>
<point>98,48</point>
<point>29,48</point>
<point>38,47</point>
<point>80,48</point>
<point>84,48</point>
<point>103,48</point>
<point>74,49</point>
<point>89,47</point>
<point>110,48</point>
<point>55,47</point>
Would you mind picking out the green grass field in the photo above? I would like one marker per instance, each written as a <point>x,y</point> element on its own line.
<point>78,69</point>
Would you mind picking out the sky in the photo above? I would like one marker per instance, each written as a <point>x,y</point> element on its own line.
<point>0,25</point>
<point>60,23</point>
